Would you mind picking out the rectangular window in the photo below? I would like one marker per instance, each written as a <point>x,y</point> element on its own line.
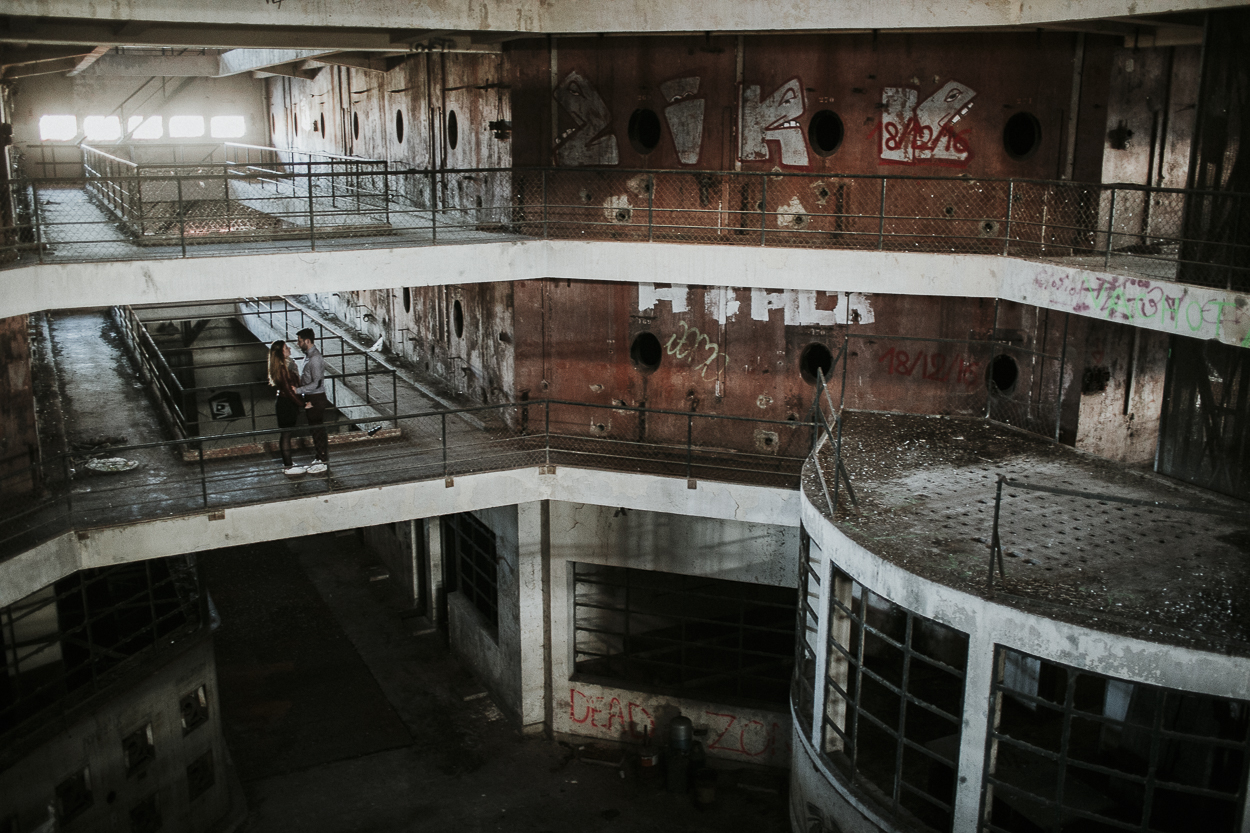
<point>227,127</point>
<point>57,128</point>
<point>687,636</point>
<point>102,128</point>
<point>470,546</point>
<point>186,127</point>
<point>894,703</point>
<point>1071,748</point>
<point>153,127</point>
<point>804,686</point>
<point>57,642</point>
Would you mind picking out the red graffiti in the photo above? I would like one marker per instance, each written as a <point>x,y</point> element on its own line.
<point>935,367</point>
<point>726,733</point>
<point>738,737</point>
<point>922,144</point>
<point>627,719</point>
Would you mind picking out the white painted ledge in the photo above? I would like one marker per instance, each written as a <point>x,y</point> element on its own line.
<point>1157,305</point>
<point>38,567</point>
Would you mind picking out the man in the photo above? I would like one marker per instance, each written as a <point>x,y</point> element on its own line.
<point>312,388</point>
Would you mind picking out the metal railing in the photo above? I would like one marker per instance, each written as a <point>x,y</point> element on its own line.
<point>181,476</point>
<point>280,200</point>
<point>363,388</point>
<point>74,639</point>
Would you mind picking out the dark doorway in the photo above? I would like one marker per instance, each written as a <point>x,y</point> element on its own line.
<point>1205,436</point>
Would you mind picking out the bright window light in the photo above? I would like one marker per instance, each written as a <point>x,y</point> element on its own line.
<point>150,128</point>
<point>186,127</point>
<point>227,127</point>
<point>57,128</point>
<point>102,128</point>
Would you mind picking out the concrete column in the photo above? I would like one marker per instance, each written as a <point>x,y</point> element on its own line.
<point>532,550</point>
<point>437,612</point>
<point>415,528</point>
<point>978,677</point>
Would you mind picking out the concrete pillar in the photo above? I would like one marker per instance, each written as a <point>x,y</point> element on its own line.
<point>533,548</point>
<point>978,676</point>
<point>415,528</point>
<point>437,602</point>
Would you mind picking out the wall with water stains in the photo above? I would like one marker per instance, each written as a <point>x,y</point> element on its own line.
<point>19,438</point>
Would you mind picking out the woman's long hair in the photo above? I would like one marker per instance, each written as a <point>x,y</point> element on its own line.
<point>278,372</point>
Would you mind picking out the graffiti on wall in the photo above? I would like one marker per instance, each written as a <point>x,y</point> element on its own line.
<point>586,143</point>
<point>957,369</point>
<point>925,133</point>
<point>627,719</point>
<point>696,348</point>
<point>1164,306</point>
<point>799,306</point>
<point>773,119</point>
<point>684,114</point>
<point>726,733</point>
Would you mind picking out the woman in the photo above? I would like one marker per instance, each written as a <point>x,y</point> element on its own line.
<point>283,377</point>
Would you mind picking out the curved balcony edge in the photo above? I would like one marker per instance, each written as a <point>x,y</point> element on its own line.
<point>1155,304</point>
<point>820,794</point>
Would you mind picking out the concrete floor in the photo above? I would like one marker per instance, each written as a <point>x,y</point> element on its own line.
<point>342,712</point>
<point>926,487</point>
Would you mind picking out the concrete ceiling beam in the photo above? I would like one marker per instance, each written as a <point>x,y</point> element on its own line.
<point>199,63</point>
<point>575,17</point>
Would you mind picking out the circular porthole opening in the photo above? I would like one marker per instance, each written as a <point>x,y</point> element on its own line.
<point>453,130</point>
<point>323,124</point>
<point>644,130</point>
<point>825,132</point>
<point>1022,135</point>
<point>355,126</point>
<point>815,357</point>
<point>457,318</point>
<point>1003,374</point>
<point>273,123</point>
<point>407,299</point>
<point>399,126</point>
<point>295,123</point>
<point>646,352</point>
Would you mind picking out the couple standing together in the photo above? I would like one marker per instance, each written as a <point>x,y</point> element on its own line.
<point>300,391</point>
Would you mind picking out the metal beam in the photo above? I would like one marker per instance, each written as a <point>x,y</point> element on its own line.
<point>239,61</point>
<point>286,71</point>
<point>40,67</point>
<point>94,33</point>
<point>370,61</point>
<point>89,59</point>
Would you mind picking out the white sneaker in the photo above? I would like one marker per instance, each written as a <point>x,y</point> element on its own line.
<point>295,471</point>
<point>318,467</point>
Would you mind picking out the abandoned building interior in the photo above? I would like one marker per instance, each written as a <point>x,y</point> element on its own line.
<point>868,383</point>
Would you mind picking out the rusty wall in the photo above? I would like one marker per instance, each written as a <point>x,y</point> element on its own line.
<point>752,353</point>
<point>907,103</point>
<point>1151,107</point>
<point>401,115</point>
<point>19,439</point>
<point>1121,382</point>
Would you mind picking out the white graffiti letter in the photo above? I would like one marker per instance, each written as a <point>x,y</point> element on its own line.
<point>914,134</point>
<point>583,145</point>
<point>684,114</point>
<point>774,119</point>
